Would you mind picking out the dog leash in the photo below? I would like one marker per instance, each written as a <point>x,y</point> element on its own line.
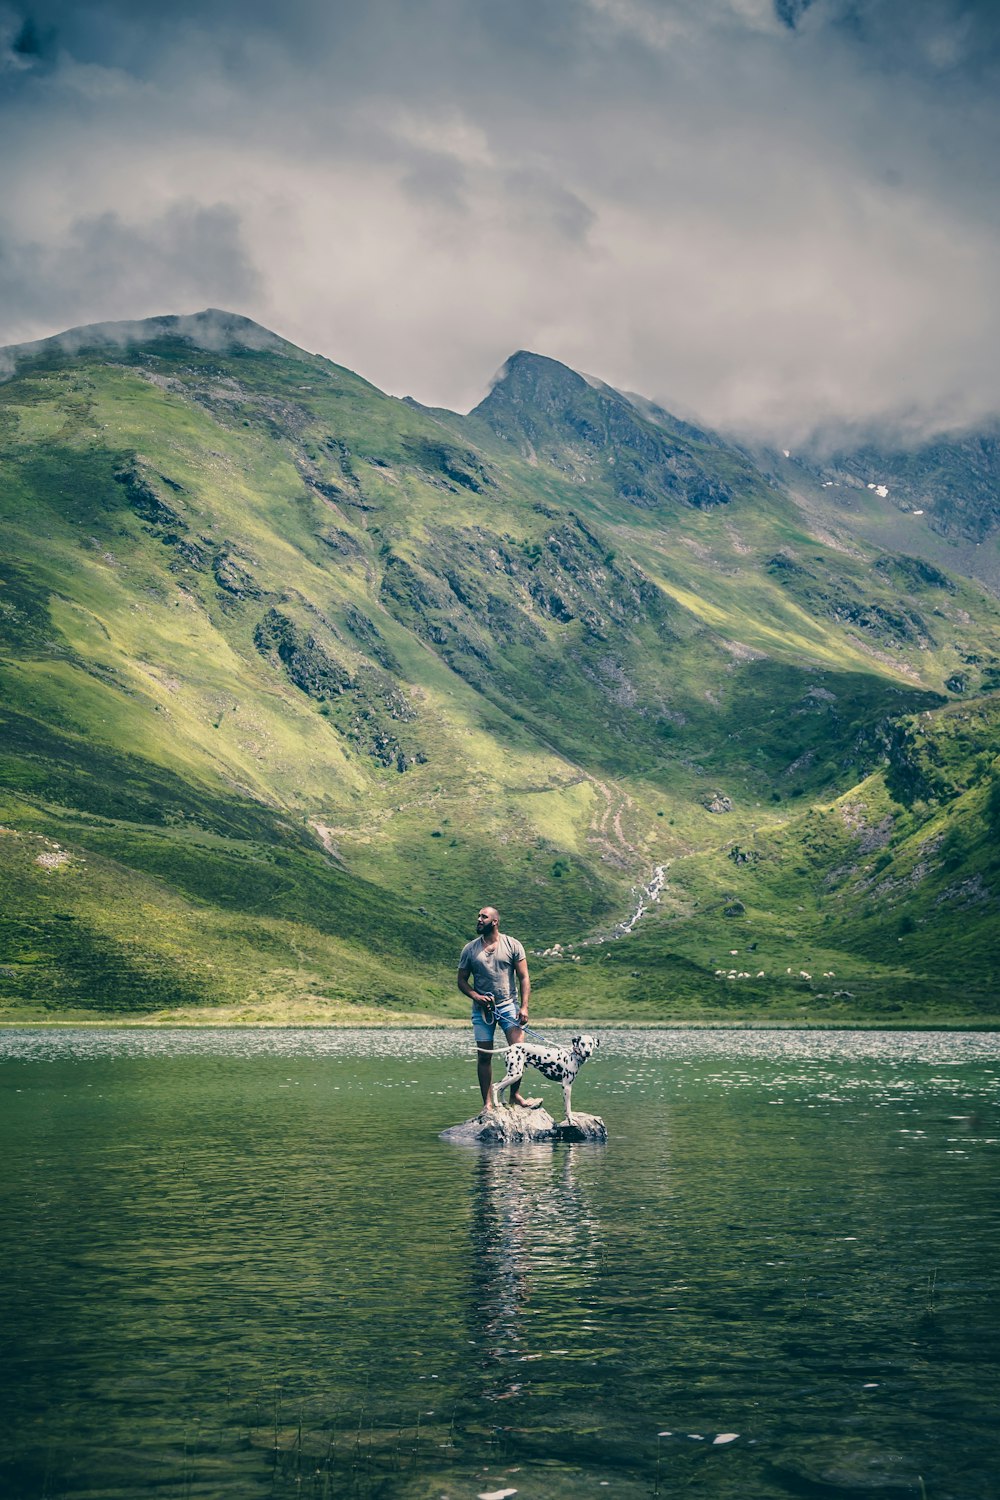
<point>491,1015</point>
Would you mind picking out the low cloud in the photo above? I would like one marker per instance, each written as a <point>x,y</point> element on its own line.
<point>775,217</point>
<point>102,266</point>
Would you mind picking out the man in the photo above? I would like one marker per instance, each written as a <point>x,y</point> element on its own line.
<point>493,961</point>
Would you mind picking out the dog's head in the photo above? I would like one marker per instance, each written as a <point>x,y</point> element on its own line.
<point>585,1046</point>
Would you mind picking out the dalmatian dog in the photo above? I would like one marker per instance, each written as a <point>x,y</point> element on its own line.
<point>556,1063</point>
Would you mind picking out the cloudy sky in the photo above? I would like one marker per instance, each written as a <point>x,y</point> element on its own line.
<point>770,214</point>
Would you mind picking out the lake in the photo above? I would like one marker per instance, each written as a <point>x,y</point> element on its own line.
<point>241,1263</point>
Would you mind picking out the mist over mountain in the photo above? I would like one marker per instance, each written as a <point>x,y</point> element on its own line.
<point>295,674</point>
<point>776,216</point>
<point>210,331</point>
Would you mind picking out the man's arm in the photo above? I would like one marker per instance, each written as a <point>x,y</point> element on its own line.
<point>524,985</point>
<point>466,988</point>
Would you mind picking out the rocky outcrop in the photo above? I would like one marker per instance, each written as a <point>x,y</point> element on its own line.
<point>144,492</point>
<point>366,707</point>
<point>306,663</point>
<point>368,634</point>
<point>824,591</point>
<point>442,462</point>
<point>233,578</point>
<point>512,1126</point>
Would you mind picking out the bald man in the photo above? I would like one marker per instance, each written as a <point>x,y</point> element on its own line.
<point>487,971</point>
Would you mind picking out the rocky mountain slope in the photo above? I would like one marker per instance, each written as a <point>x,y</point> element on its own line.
<point>954,482</point>
<point>294,675</point>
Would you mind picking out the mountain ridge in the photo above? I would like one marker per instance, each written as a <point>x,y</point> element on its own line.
<point>211,329</point>
<point>293,664</point>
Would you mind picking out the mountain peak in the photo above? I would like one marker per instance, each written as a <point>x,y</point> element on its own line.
<point>595,435</point>
<point>527,378</point>
<point>212,329</point>
<point>526,361</point>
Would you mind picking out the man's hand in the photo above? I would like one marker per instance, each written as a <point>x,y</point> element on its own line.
<point>522,1016</point>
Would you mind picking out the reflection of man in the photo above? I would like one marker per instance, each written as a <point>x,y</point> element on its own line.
<point>493,961</point>
<point>525,1228</point>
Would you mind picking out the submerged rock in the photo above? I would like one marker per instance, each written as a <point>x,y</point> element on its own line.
<point>512,1125</point>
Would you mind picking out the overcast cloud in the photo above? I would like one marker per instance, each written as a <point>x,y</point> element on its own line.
<point>769,214</point>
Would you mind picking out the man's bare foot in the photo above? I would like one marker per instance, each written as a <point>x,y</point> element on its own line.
<point>528,1103</point>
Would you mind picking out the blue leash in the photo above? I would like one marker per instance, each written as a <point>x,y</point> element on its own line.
<point>491,1015</point>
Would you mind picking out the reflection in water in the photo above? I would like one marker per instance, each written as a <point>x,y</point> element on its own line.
<point>534,1234</point>
<point>242,1266</point>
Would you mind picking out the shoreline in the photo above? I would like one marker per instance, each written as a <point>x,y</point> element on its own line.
<point>450,1024</point>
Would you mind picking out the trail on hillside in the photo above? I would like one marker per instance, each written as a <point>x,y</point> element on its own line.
<point>606,831</point>
<point>615,848</point>
<point>606,826</point>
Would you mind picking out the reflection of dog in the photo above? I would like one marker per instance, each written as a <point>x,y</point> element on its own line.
<point>552,1062</point>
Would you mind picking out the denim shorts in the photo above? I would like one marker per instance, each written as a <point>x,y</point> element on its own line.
<point>504,1011</point>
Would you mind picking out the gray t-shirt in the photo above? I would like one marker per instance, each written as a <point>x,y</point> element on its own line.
<point>492,973</point>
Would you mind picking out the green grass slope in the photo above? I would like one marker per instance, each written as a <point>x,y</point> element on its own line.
<point>293,675</point>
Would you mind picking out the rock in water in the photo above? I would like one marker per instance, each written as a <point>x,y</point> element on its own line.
<point>507,1126</point>
<point>583,1128</point>
<point>512,1125</point>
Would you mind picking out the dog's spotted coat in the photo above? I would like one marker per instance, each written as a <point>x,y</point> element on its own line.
<point>556,1063</point>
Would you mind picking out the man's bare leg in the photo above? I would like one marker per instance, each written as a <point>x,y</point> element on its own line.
<point>484,1067</point>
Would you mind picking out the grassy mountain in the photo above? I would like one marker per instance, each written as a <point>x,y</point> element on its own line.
<point>294,675</point>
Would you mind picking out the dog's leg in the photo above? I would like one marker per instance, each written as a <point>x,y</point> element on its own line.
<point>498,1088</point>
<point>567,1089</point>
<point>513,1084</point>
<point>514,1036</point>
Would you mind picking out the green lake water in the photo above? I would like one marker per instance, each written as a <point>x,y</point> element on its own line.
<point>243,1264</point>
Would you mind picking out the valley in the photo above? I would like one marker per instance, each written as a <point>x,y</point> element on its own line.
<point>295,674</point>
